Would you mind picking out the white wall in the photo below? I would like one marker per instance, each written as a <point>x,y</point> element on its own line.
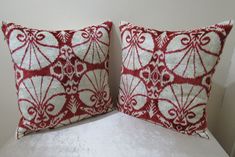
<point>73,14</point>
<point>225,128</point>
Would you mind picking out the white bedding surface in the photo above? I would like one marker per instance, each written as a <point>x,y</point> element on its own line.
<point>112,135</point>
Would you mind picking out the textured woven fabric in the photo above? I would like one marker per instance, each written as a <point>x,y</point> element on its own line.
<point>166,75</point>
<point>61,76</point>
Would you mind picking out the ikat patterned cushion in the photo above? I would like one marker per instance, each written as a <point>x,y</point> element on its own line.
<point>166,75</point>
<point>61,76</point>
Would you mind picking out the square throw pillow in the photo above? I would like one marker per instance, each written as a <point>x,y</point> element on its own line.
<point>166,75</point>
<point>61,76</point>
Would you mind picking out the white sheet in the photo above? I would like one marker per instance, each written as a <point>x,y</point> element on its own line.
<point>112,135</point>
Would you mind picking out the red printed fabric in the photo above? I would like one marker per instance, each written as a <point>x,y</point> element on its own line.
<point>61,76</point>
<point>166,75</point>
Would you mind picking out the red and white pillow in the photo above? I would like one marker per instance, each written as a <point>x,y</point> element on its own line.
<point>166,75</point>
<point>61,76</point>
